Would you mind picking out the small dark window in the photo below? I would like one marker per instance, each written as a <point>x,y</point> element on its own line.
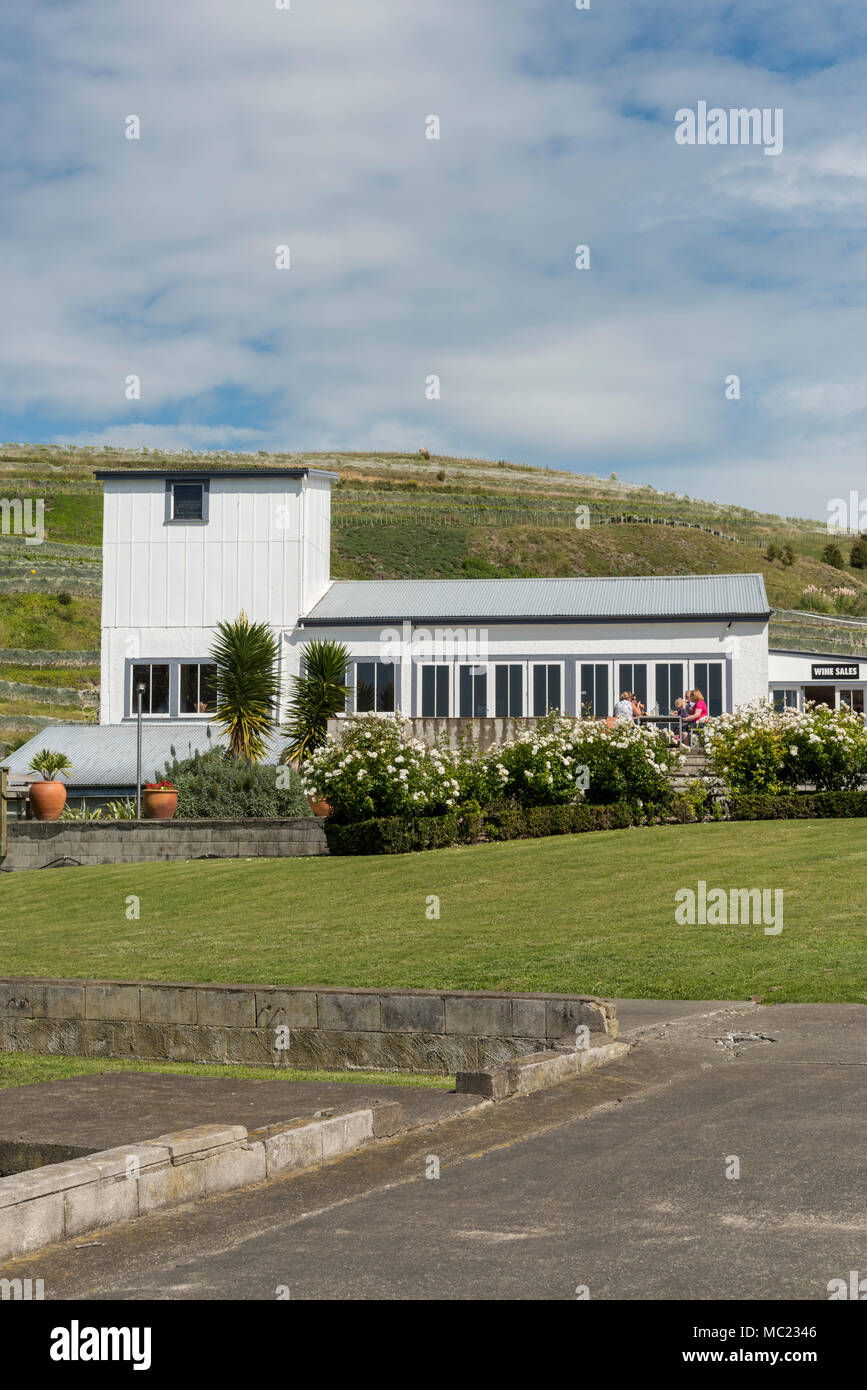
<point>473,692</point>
<point>198,688</point>
<point>188,502</point>
<point>155,697</point>
<point>546,689</point>
<point>509,691</point>
<point>434,691</point>
<point>374,687</point>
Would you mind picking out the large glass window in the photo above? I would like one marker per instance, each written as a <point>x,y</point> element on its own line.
<point>473,692</point>
<point>594,701</point>
<point>435,692</point>
<point>547,688</point>
<point>632,676</point>
<point>198,687</point>
<point>670,685</point>
<point>708,679</point>
<point>155,696</point>
<point>854,698</point>
<point>374,687</point>
<point>509,691</point>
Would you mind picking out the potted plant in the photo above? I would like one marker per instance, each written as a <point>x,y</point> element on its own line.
<point>48,797</point>
<point>159,800</point>
<point>319,694</point>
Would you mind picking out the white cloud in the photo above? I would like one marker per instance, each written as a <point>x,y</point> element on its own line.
<point>306,127</point>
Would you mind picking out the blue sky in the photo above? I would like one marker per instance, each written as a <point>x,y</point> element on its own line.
<point>411,257</point>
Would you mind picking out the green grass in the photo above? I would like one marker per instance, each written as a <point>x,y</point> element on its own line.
<point>41,620</point>
<point>25,1069</point>
<point>53,677</point>
<point>590,913</point>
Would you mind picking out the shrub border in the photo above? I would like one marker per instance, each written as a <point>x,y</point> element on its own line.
<point>394,835</point>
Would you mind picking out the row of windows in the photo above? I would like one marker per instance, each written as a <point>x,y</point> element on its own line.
<point>518,689</point>
<point>821,695</point>
<point>173,687</point>
<point>504,689</point>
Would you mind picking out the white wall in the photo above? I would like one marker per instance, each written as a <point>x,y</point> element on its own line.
<point>795,668</point>
<point>264,548</point>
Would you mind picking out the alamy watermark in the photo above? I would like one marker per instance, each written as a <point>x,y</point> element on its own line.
<point>23,518</point>
<point>432,644</point>
<point>736,126</point>
<point>716,907</point>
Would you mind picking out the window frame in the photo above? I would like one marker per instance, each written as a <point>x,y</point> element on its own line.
<point>378,663</point>
<point>191,479</point>
<point>133,699</point>
<point>478,671</point>
<point>532,667</point>
<point>437,667</point>
<point>199,663</point>
<point>596,667</point>
<point>516,675</point>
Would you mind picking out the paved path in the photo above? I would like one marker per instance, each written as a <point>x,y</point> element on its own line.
<point>617,1181</point>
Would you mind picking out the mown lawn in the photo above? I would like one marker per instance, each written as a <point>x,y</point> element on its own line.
<point>591,912</point>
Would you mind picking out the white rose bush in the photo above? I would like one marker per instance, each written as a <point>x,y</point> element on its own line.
<point>760,749</point>
<point>376,770</point>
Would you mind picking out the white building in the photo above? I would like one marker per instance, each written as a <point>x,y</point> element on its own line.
<point>183,551</point>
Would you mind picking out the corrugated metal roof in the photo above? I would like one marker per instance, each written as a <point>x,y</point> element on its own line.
<point>104,755</point>
<point>216,472</point>
<point>579,600</point>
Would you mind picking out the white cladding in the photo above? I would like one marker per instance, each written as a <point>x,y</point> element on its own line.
<point>796,668</point>
<point>165,585</point>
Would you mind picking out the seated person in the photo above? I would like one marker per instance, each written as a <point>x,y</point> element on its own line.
<point>637,706</point>
<point>681,710</point>
<point>623,708</point>
<point>698,711</point>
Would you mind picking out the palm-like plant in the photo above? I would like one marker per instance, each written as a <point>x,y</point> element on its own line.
<point>319,693</point>
<point>246,657</point>
<point>49,764</point>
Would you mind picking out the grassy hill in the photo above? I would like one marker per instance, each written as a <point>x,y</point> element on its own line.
<point>403,515</point>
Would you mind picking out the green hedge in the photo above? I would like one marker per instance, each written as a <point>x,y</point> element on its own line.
<point>395,835</point>
<point>798,805</point>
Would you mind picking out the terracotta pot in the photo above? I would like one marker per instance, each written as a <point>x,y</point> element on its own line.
<point>319,808</point>
<point>157,804</point>
<point>47,799</point>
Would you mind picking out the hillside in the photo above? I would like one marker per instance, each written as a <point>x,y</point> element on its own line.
<point>393,516</point>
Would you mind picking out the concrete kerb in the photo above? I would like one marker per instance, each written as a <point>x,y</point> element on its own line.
<point>44,1205</point>
<point>49,1204</point>
<point>541,1070</point>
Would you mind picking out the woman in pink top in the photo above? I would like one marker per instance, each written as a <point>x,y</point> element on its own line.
<point>698,708</point>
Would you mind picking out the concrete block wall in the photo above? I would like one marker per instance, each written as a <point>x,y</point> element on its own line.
<point>437,1031</point>
<point>40,844</point>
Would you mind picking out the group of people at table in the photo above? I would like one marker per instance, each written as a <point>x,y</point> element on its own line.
<point>691,709</point>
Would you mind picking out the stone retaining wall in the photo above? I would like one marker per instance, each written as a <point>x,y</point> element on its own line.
<point>437,1031</point>
<point>49,694</point>
<point>42,656</point>
<point>41,844</point>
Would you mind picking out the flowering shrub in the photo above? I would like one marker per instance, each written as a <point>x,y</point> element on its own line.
<point>376,771</point>
<point>760,749</point>
<point>562,760</point>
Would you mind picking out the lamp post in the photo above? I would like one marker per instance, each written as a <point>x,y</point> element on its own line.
<point>139,690</point>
